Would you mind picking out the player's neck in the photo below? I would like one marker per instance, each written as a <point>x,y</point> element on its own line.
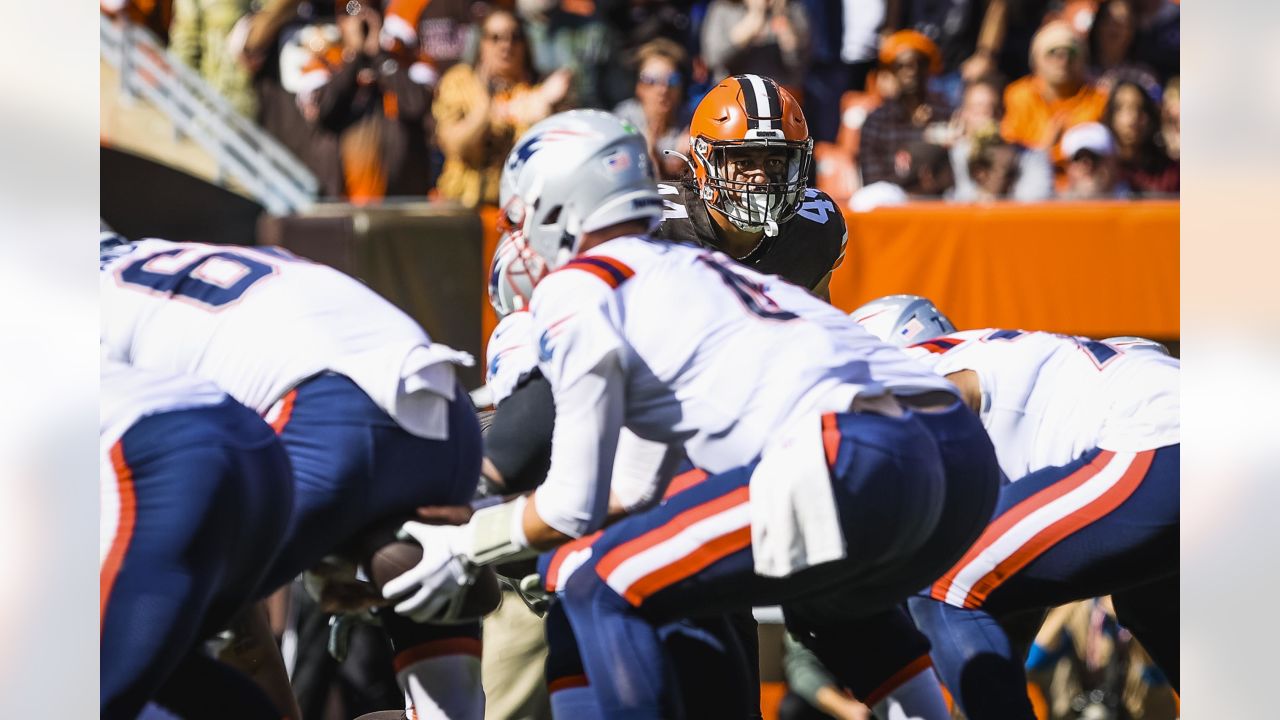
<point>733,240</point>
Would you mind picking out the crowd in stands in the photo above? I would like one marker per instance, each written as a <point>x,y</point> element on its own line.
<point>1027,99</point>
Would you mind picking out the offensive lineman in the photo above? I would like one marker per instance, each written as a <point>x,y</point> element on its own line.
<point>756,381</point>
<point>366,406</point>
<point>195,500</point>
<point>1089,433</point>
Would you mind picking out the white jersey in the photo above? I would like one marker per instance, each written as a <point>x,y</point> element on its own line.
<point>510,355</point>
<point>716,357</point>
<point>1047,399</point>
<point>128,395</point>
<point>258,321</point>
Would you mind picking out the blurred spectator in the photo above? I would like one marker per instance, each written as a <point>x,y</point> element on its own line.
<point>1171,119</point>
<point>922,171</point>
<point>911,58</point>
<point>1133,116</point>
<point>1158,39</point>
<point>155,15</point>
<point>976,124</point>
<point>376,102</point>
<point>1041,106</point>
<point>658,110</point>
<point>954,26</point>
<point>200,36</point>
<point>437,29</point>
<point>282,39</point>
<point>583,37</point>
<point>1092,172</point>
<point>1110,45</point>
<point>764,37</point>
<point>481,110</point>
<point>842,51</point>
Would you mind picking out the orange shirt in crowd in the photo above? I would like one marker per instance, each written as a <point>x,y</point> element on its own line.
<point>1032,120</point>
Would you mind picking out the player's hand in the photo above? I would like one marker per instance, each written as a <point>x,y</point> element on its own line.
<point>437,583</point>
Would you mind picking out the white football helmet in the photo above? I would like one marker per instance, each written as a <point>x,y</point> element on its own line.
<point>573,173</point>
<point>512,274</point>
<point>903,319</point>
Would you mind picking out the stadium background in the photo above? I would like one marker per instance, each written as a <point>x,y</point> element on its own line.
<point>185,160</point>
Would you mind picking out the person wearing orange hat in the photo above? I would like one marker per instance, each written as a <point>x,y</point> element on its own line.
<point>911,58</point>
<point>1056,96</point>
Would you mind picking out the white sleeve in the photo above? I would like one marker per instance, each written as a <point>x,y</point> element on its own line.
<point>574,499</point>
<point>581,353</point>
<point>642,469</point>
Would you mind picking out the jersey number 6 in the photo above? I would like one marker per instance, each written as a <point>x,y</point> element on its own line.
<point>209,278</point>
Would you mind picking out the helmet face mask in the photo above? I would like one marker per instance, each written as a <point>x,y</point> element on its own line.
<point>751,117</point>
<point>749,204</point>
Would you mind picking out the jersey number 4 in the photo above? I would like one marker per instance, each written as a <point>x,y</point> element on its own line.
<point>209,277</point>
<point>750,292</point>
<point>815,208</point>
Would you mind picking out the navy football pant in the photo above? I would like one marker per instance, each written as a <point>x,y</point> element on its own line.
<point>204,499</point>
<point>1106,524</point>
<point>691,556</point>
<point>354,467</point>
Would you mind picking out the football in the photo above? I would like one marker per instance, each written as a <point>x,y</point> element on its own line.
<point>386,558</point>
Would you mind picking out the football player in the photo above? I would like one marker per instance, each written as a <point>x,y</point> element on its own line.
<point>747,195</point>
<point>1089,433</point>
<point>195,500</point>
<point>365,404</point>
<point>844,475</point>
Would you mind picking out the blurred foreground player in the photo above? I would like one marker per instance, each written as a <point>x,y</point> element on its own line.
<point>196,495</point>
<point>824,485</point>
<point>366,406</point>
<point>748,195</point>
<point>1089,433</point>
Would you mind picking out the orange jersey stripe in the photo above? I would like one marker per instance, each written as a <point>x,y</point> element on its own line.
<point>1052,535</point>
<point>635,546</point>
<point>567,682</point>
<point>437,648</point>
<point>124,530</point>
<point>910,670</point>
<point>552,581</point>
<point>703,557</point>
<point>684,481</point>
<point>1016,514</point>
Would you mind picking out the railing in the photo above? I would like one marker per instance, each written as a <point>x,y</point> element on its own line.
<point>242,150</point>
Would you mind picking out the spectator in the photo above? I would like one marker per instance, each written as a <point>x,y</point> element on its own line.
<point>922,171</point>
<point>658,109</point>
<point>954,26</point>
<point>581,37</point>
<point>1171,119</point>
<point>155,15</point>
<point>1110,43</point>
<point>976,122</point>
<point>764,37</point>
<point>992,166</point>
<point>437,29</point>
<point>842,47</point>
<point>376,102</point>
<point>1055,97</point>
<point>481,109</point>
<point>1158,39</point>
<point>1133,116</point>
<point>199,35</point>
<point>912,58</point>
<point>282,37</point>
<point>1092,173</point>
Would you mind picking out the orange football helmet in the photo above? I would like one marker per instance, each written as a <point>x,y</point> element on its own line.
<point>751,111</point>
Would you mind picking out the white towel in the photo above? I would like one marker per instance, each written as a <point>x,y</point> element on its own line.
<point>794,523</point>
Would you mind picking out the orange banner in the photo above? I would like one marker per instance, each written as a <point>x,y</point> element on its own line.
<point>1097,269</point>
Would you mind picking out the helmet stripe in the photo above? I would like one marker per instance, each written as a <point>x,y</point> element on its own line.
<point>754,87</point>
<point>775,102</point>
<point>749,100</point>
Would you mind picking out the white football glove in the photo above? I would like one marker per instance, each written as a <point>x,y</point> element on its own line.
<point>439,580</point>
